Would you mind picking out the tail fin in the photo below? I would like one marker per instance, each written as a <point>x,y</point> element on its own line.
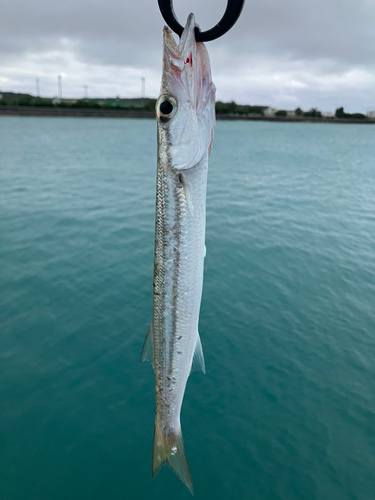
<point>170,449</point>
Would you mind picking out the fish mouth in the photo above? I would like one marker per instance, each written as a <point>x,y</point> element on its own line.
<point>177,55</point>
<point>186,64</point>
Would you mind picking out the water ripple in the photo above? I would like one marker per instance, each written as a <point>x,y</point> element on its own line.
<point>287,407</point>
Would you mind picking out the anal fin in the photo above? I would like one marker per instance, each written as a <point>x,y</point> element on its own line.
<point>148,347</point>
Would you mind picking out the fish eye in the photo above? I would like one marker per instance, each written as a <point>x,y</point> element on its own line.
<point>166,107</point>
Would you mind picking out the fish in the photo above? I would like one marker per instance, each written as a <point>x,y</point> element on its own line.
<point>185,113</point>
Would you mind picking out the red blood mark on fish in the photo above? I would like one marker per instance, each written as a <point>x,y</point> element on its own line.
<point>189,60</point>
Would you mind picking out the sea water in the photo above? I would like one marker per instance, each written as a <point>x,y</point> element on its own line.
<point>286,409</point>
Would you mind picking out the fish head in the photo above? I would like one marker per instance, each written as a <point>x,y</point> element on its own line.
<point>186,106</point>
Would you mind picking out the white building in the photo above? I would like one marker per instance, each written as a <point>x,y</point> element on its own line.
<point>370,114</point>
<point>290,113</point>
<point>270,111</point>
<point>327,114</point>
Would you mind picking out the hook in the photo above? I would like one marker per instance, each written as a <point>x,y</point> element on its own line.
<point>230,17</point>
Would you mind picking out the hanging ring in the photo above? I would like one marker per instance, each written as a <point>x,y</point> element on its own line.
<point>231,14</point>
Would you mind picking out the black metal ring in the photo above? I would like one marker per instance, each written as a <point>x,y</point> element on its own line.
<point>231,14</point>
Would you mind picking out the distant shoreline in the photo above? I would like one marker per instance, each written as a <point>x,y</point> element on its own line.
<point>116,113</point>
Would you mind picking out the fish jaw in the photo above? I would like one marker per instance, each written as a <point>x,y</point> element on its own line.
<point>187,80</point>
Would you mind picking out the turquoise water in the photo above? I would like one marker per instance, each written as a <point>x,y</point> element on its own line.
<point>287,407</point>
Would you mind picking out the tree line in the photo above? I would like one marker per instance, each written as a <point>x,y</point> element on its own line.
<point>315,113</point>
<point>146,104</point>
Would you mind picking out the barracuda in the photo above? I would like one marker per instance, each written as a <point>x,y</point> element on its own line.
<point>186,116</point>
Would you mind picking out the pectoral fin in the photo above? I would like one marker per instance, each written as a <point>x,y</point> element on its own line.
<point>148,348</point>
<point>187,190</point>
<point>198,358</point>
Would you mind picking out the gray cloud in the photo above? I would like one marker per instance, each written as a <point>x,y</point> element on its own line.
<point>321,42</point>
<point>338,29</point>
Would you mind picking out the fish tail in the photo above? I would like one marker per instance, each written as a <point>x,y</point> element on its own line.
<point>170,449</point>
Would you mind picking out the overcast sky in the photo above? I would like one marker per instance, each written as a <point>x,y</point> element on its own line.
<point>284,53</point>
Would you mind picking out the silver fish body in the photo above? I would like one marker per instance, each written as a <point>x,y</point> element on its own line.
<point>186,117</point>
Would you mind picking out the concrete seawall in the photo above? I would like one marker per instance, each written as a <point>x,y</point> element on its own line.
<point>119,113</point>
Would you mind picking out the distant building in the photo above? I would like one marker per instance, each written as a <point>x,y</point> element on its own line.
<point>370,114</point>
<point>270,111</point>
<point>58,100</point>
<point>327,114</point>
<point>290,113</point>
<point>1,96</point>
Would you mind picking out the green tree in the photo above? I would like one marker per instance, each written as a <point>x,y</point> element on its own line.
<point>24,101</point>
<point>340,113</point>
<point>150,106</point>
<point>313,113</point>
